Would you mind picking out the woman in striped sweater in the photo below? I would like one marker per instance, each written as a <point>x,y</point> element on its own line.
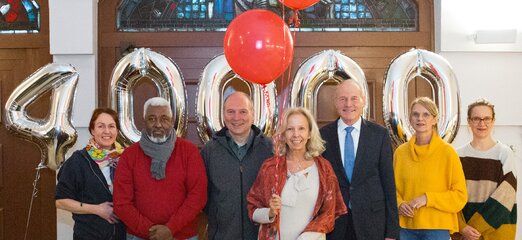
<point>489,167</point>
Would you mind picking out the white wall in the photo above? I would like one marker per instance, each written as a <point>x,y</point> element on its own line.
<point>491,71</point>
<point>73,40</point>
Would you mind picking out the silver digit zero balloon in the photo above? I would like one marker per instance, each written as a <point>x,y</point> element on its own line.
<point>55,135</point>
<point>319,68</point>
<point>210,96</point>
<point>164,73</point>
<point>439,74</point>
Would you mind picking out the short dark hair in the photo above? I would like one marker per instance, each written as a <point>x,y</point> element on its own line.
<point>96,113</point>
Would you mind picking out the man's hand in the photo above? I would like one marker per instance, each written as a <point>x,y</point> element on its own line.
<point>470,233</point>
<point>160,232</point>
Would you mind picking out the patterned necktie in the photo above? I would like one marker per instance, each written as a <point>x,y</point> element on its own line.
<point>349,153</point>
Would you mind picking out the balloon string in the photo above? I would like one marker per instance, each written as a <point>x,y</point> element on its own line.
<point>294,20</point>
<point>34,195</point>
<point>266,94</point>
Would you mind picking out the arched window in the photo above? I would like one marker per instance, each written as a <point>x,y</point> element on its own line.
<point>215,15</point>
<point>19,16</point>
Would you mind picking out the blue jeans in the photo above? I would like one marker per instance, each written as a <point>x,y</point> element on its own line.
<point>424,234</point>
<point>132,237</point>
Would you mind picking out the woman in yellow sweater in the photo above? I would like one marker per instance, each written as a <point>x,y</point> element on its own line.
<point>431,188</point>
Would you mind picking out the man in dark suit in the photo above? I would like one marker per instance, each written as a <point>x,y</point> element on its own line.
<point>361,155</point>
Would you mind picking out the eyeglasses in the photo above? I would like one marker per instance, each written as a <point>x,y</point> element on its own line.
<point>477,120</point>
<point>418,115</point>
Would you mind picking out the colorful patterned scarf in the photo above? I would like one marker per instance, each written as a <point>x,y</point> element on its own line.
<point>104,157</point>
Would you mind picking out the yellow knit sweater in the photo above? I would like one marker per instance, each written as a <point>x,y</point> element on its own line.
<point>434,170</point>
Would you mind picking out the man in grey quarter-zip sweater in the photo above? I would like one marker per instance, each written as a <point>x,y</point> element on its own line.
<point>232,160</point>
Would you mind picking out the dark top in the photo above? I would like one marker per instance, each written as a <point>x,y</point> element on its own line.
<point>81,179</point>
<point>230,176</point>
<point>372,190</point>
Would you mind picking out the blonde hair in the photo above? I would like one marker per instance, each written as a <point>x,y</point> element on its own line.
<point>429,105</point>
<point>314,146</point>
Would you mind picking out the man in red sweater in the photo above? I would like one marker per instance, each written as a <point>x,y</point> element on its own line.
<point>160,185</point>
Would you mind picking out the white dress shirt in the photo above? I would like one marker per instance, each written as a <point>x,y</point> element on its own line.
<point>356,132</point>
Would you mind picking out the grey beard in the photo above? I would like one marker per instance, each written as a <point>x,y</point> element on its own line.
<point>157,139</point>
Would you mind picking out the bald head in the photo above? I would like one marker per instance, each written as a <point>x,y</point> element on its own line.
<point>238,113</point>
<point>238,97</point>
<point>349,85</point>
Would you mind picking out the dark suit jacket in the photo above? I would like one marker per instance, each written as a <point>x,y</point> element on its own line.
<point>372,190</point>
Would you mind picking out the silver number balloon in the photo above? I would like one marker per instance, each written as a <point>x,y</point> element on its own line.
<point>210,97</point>
<point>166,77</point>
<point>439,74</point>
<point>55,135</point>
<point>319,68</point>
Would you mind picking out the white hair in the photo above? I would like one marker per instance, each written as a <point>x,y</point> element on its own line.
<point>156,102</point>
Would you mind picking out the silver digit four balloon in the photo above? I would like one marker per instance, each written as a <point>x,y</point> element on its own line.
<point>55,135</point>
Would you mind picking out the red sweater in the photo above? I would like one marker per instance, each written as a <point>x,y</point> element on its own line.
<point>141,201</point>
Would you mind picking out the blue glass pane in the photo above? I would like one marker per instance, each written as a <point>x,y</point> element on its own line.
<point>19,16</point>
<point>177,15</point>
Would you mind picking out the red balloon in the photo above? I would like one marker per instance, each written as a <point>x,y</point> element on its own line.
<point>258,46</point>
<point>298,4</point>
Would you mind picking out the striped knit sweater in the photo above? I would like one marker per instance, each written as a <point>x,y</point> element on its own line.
<point>492,184</point>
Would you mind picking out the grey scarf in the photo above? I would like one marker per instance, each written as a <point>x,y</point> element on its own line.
<point>159,152</point>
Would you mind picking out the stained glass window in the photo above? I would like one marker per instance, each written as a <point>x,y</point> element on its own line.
<point>215,15</point>
<point>19,16</point>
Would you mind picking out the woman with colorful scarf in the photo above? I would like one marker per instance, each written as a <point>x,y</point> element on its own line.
<point>85,181</point>
<point>296,194</point>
